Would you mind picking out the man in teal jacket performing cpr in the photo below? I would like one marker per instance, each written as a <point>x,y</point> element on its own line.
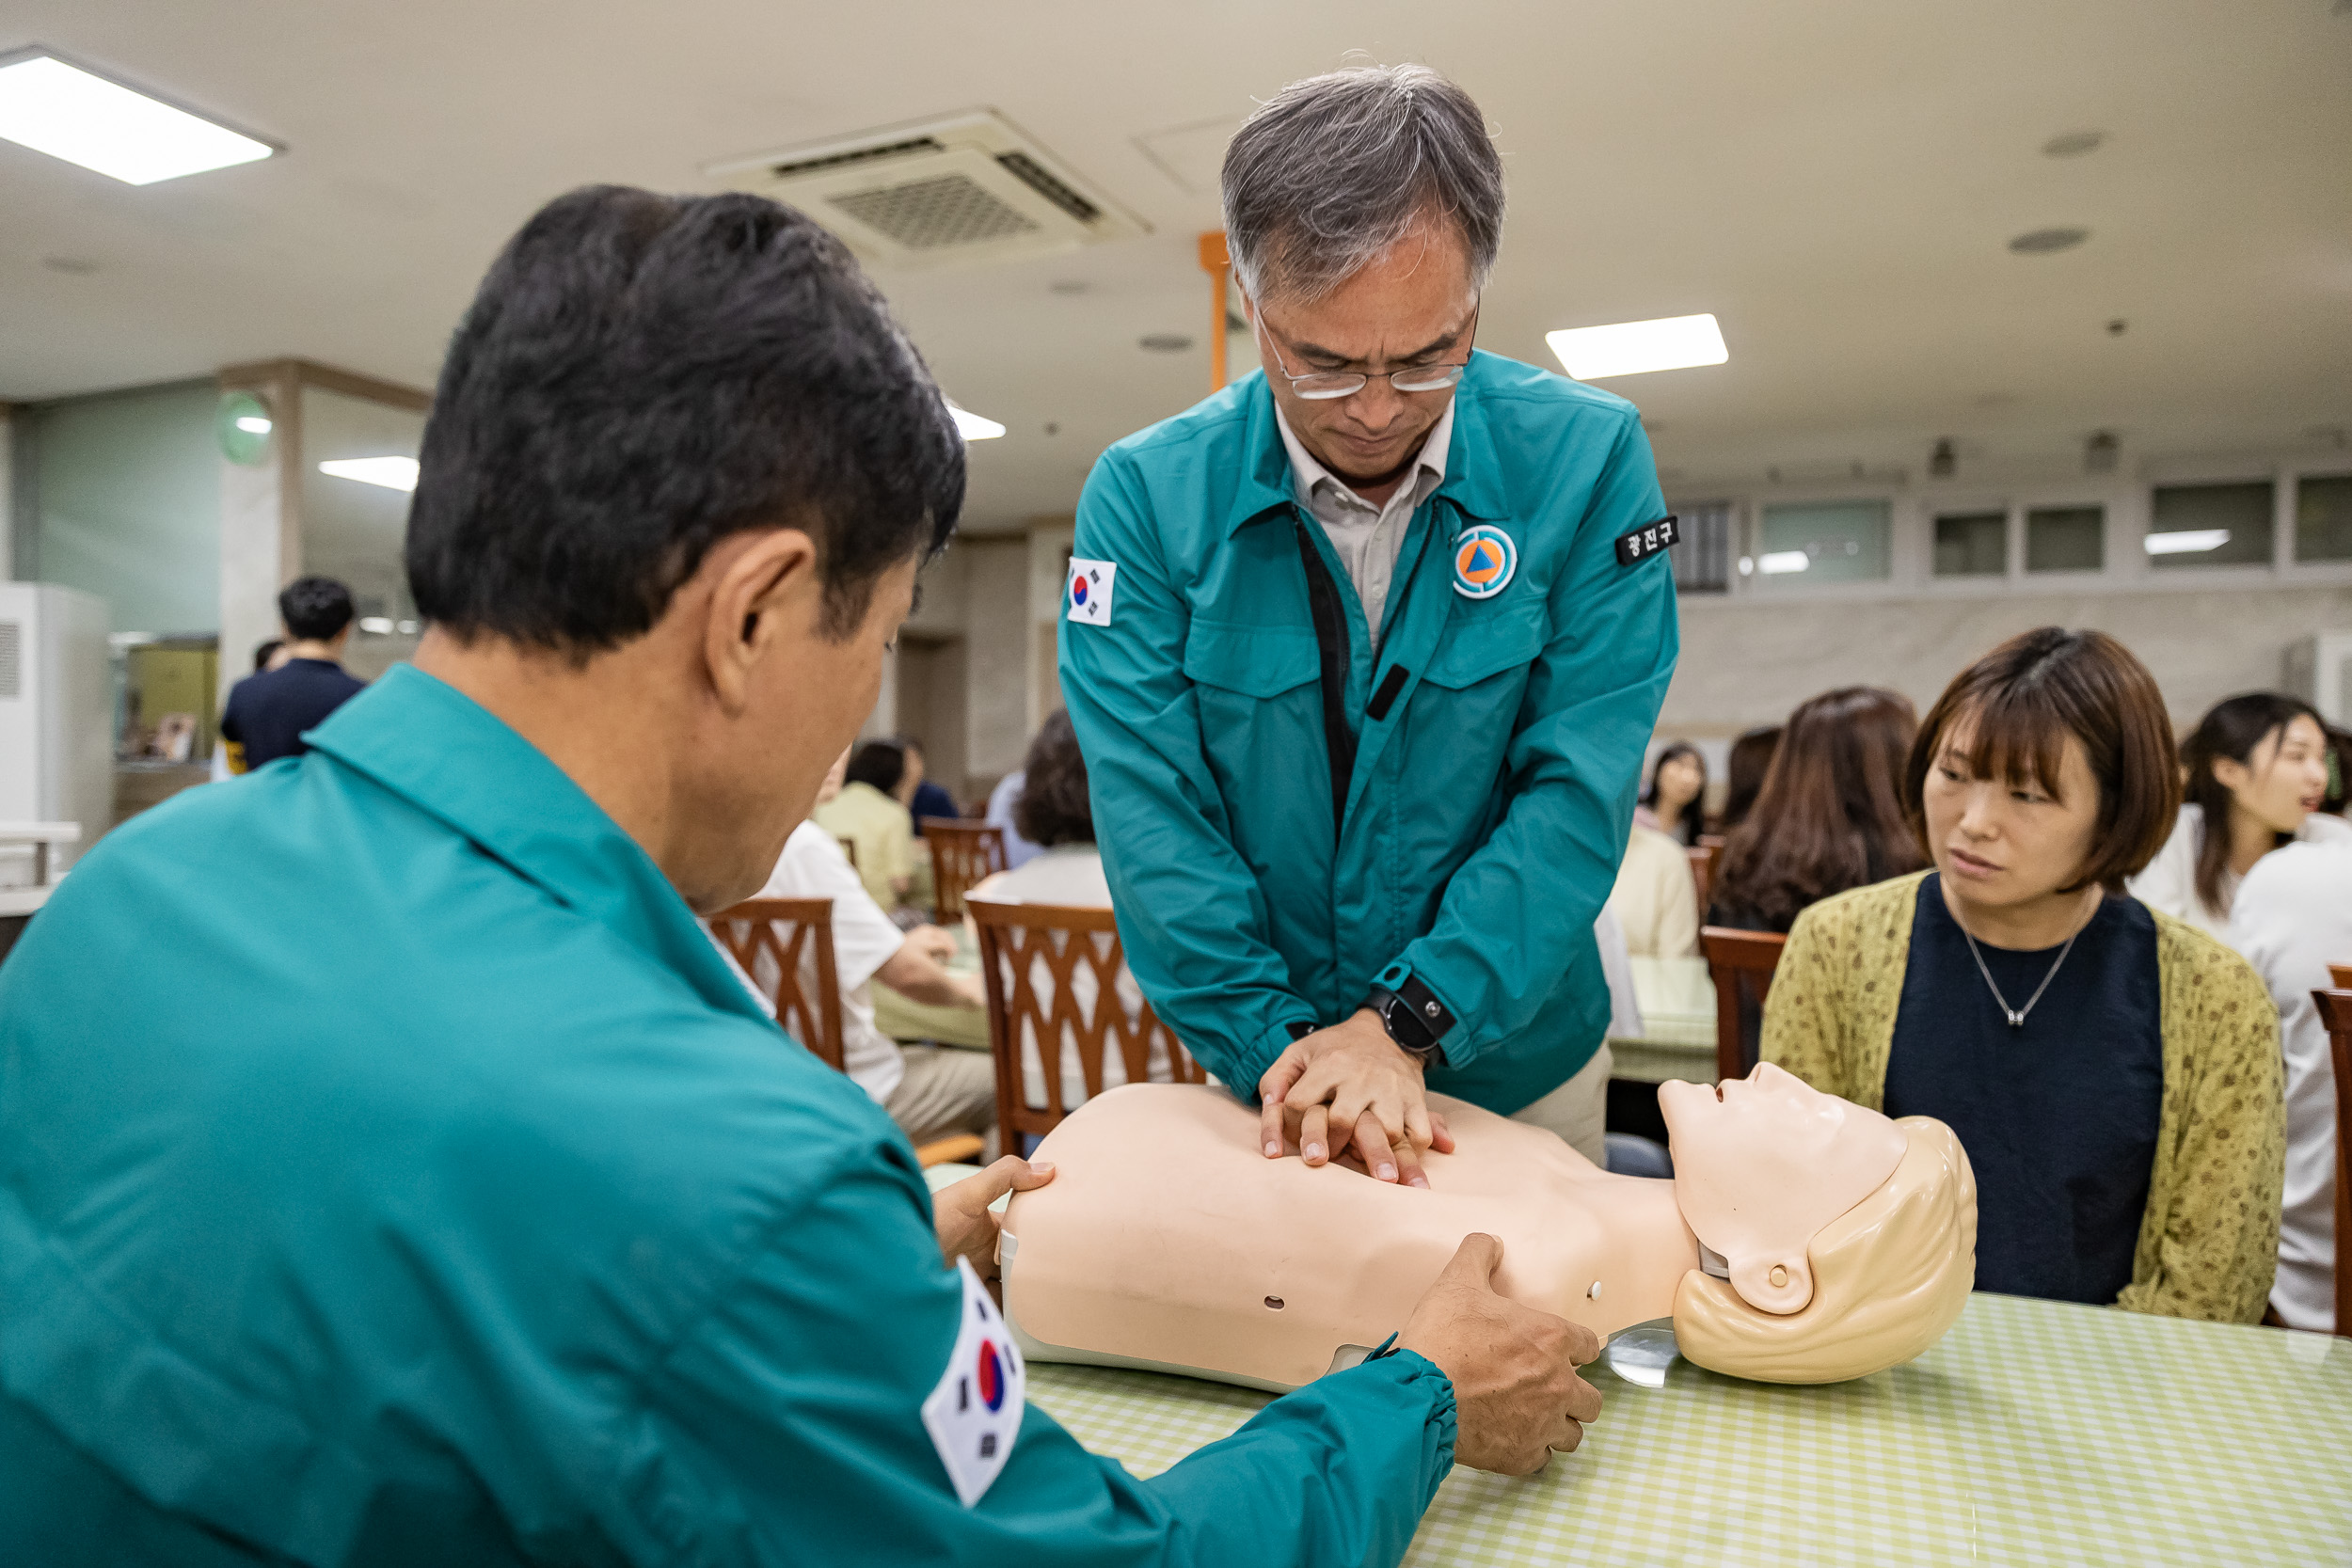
<point>1364,650</point>
<point>394,1171</point>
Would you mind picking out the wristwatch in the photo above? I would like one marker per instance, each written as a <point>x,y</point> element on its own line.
<point>1415,1029</point>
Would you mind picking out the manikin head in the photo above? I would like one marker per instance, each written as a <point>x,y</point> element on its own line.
<point>1836,1272</point>
<point>1761,1164</point>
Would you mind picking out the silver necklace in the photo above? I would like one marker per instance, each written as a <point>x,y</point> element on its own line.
<point>2017,1015</point>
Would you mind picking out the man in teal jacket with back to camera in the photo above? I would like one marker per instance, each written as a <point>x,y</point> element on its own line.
<point>1364,652</point>
<point>392,1172</point>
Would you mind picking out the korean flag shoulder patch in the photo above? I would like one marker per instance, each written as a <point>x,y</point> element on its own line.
<point>975,1412</point>
<point>1638,544</point>
<point>1087,592</point>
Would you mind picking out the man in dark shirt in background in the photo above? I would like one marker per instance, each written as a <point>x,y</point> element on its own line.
<point>269,711</point>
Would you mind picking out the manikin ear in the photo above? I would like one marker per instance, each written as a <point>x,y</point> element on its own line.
<point>1776,1285</point>
<point>766,594</point>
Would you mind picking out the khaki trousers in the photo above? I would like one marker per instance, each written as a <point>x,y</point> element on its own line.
<point>944,1091</point>
<point>1578,1109</point>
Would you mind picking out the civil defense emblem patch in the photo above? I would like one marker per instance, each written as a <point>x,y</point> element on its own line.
<point>1485,560</point>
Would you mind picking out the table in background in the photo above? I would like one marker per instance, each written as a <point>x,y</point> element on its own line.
<point>1678,1038</point>
<point>2034,1432</point>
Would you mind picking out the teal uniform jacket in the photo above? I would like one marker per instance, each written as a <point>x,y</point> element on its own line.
<point>1497,739</point>
<point>391,1172</point>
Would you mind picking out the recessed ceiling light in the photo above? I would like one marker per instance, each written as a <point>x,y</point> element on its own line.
<point>1632,348</point>
<point>376,625</point>
<point>1776,562</point>
<point>83,118</point>
<point>2073,144</point>
<point>254,424</point>
<point>1163,342</point>
<point>2041,241</point>
<point>392,474</point>
<point>2187,541</point>
<point>973,427</point>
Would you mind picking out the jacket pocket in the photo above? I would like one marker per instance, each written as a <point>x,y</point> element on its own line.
<point>1254,661</point>
<point>1483,645</point>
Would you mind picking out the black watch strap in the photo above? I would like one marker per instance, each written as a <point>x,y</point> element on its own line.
<point>1415,1020</point>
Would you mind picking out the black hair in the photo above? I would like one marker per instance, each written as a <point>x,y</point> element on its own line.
<point>2233,728</point>
<point>313,608</point>
<point>641,376</point>
<point>262,650</point>
<point>879,763</point>
<point>1688,827</point>
<point>1053,807</point>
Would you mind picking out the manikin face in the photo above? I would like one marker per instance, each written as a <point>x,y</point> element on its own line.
<point>2003,844</point>
<point>1412,305</point>
<point>2283,779</point>
<point>1761,1164</point>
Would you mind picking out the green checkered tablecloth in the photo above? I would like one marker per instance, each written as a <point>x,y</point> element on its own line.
<point>2035,1433</point>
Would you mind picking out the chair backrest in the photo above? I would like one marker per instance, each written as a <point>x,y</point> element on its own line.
<point>769,938</point>
<point>964,854</point>
<point>2339,976</point>
<point>2335,1015</point>
<point>1705,856</point>
<point>1020,943</point>
<point>1741,963</point>
<point>849,847</point>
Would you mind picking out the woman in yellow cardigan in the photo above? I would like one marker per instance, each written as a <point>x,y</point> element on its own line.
<point>2113,1073</point>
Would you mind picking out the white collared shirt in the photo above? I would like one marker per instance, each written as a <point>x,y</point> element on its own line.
<point>1367,537</point>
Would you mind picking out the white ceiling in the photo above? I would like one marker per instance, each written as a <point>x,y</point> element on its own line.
<point>1835,180</point>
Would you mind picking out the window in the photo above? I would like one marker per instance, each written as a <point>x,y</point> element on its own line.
<point>2323,517</point>
<point>1825,542</point>
<point>1972,545</point>
<point>1702,557</point>
<point>2210,525</point>
<point>2066,539</point>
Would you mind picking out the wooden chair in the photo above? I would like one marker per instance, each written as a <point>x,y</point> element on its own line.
<point>1705,856</point>
<point>2335,1015</point>
<point>1741,963</point>
<point>849,847</point>
<point>1017,942</point>
<point>964,854</point>
<point>784,931</point>
<point>2339,976</point>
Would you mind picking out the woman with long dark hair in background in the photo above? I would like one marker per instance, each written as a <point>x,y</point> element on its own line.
<point>1675,801</point>
<point>1829,816</point>
<point>2255,774</point>
<point>1743,776</point>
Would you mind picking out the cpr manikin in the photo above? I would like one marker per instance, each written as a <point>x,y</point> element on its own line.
<point>1845,1242</point>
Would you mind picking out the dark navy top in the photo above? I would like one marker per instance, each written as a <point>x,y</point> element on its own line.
<point>2060,1117</point>
<point>268,712</point>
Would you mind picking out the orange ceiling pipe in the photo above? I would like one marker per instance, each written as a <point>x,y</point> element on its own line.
<point>1219,263</point>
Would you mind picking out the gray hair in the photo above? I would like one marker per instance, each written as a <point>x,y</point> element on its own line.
<point>1333,170</point>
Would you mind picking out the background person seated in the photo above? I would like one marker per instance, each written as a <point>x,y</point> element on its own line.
<point>1829,816</point>
<point>930,1091</point>
<point>1057,814</point>
<point>1674,800</point>
<point>1655,898</point>
<point>2292,917</point>
<point>1743,776</point>
<point>2112,1072</point>
<point>924,796</point>
<point>294,686</point>
<point>2255,775</point>
<point>869,813</point>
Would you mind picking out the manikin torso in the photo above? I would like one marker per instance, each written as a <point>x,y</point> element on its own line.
<point>1167,1239</point>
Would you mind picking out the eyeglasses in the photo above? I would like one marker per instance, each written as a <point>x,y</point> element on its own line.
<point>1317,386</point>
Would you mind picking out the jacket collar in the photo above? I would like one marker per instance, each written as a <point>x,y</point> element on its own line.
<point>1471,477</point>
<point>451,758</point>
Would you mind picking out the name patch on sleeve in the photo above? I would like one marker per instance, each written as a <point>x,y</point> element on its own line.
<point>975,1412</point>
<point>1639,545</point>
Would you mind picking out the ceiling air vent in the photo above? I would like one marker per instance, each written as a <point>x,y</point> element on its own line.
<point>969,189</point>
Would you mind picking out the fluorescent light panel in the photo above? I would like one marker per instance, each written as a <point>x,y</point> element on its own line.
<point>393,473</point>
<point>973,427</point>
<point>1632,348</point>
<point>1773,562</point>
<point>67,112</point>
<point>2186,541</point>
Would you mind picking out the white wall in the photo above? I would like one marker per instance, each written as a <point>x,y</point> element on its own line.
<point>997,633</point>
